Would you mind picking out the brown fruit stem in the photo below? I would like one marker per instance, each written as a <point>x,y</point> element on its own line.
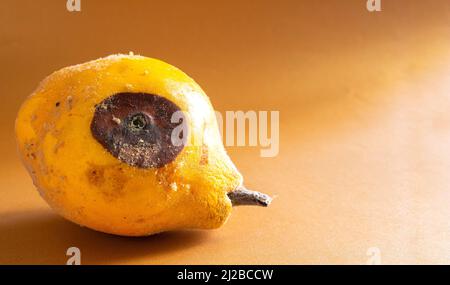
<point>242,196</point>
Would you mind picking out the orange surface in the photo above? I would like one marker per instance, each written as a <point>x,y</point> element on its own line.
<point>364,137</point>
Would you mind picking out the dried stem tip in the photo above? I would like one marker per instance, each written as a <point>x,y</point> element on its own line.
<point>243,196</point>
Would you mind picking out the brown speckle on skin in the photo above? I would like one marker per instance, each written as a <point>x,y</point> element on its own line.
<point>32,155</point>
<point>204,157</point>
<point>95,175</point>
<point>136,128</point>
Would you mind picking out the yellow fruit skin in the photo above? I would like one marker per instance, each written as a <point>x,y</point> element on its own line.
<point>84,183</point>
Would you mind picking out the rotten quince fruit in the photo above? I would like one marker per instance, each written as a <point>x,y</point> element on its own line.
<point>129,145</point>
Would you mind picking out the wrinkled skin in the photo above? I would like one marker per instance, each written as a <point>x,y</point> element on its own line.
<point>86,184</point>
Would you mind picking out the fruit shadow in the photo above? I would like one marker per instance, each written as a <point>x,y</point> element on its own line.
<point>42,237</point>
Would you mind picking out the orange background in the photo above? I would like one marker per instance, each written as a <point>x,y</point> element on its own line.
<point>364,101</point>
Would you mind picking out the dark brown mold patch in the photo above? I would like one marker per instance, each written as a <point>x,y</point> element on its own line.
<point>136,128</point>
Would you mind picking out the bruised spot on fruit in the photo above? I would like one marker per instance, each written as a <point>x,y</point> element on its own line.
<point>115,185</point>
<point>109,180</point>
<point>136,128</point>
